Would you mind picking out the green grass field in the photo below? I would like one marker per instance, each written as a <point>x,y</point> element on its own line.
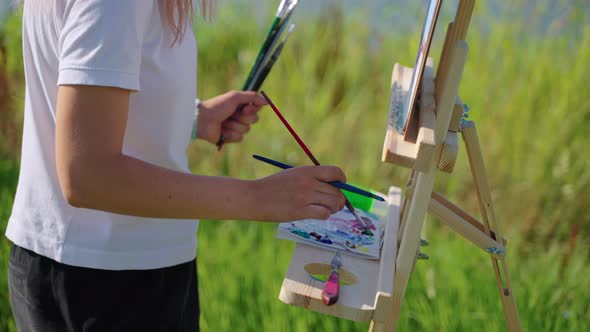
<point>527,93</point>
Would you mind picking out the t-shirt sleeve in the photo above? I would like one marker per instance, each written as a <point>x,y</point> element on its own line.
<point>100,42</point>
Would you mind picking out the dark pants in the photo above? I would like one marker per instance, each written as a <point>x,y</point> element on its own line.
<point>49,296</point>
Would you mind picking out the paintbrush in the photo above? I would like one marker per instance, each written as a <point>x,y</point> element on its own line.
<point>282,25</point>
<point>259,79</point>
<point>337,184</point>
<point>349,206</point>
<point>266,45</point>
<point>263,64</point>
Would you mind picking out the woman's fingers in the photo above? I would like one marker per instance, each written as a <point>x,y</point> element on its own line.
<point>234,131</point>
<point>245,118</point>
<point>329,174</point>
<point>232,136</point>
<point>316,211</point>
<point>236,126</point>
<point>333,203</point>
<point>247,97</point>
<point>327,195</point>
<point>328,189</point>
<point>337,198</point>
<point>251,109</point>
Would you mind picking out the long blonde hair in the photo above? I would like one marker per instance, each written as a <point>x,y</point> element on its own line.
<point>179,13</point>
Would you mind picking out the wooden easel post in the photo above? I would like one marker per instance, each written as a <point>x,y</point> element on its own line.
<point>422,183</point>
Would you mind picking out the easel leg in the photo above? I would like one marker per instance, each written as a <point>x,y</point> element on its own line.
<point>478,171</point>
<point>506,295</point>
<point>405,206</point>
<point>378,327</point>
<point>391,323</point>
<point>472,230</point>
<point>414,213</point>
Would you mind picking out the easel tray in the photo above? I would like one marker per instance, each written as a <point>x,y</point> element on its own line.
<point>367,282</point>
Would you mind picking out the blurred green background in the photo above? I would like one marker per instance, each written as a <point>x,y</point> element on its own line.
<point>526,82</point>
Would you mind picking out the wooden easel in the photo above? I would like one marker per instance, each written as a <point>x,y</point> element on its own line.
<point>377,287</point>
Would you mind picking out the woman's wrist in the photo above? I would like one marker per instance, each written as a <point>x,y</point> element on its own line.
<point>204,126</point>
<point>256,205</point>
<point>196,118</point>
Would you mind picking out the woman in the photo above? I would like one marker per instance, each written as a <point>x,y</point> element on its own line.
<point>103,222</point>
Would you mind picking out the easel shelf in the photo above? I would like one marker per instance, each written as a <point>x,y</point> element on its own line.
<point>418,153</point>
<point>369,280</point>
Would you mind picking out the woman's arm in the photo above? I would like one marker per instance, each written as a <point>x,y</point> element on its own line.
<point>93,172</point>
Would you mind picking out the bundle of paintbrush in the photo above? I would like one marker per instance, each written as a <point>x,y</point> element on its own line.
<point>270,51</point>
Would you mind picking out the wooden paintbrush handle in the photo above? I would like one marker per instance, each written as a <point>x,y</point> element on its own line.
<point>331,289</point>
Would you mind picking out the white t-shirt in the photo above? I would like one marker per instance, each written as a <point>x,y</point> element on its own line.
<point>118,43</point>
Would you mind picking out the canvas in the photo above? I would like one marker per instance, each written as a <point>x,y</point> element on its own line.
<point>404,119</point>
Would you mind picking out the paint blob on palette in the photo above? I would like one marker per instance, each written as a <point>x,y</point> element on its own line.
<point>341,232</point>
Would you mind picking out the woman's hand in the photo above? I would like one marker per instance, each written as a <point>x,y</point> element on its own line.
<point>298,193</point>
<point>218,116</point>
